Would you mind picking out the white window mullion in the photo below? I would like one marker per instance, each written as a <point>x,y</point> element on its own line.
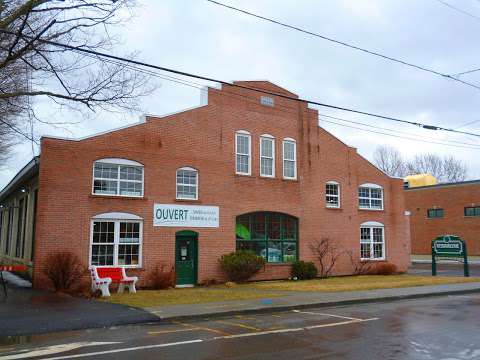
<point>116,242</point>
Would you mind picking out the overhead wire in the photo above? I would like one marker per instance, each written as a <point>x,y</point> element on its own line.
<point>343,43</point>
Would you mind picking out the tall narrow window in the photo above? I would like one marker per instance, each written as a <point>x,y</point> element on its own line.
<point>20,226</point>
<point>9,229</point>
<point>116,242</point>
<point>289,159</point>
<point>372,241</point>
<point>243,149</point>
<point>187,183</point>
<point>267,156</point>
<point>118,177</point>
<point>332,194</point>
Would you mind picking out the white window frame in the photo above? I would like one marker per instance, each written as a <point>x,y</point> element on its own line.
<point>373,225</point>
<point>119,162</point>
<point>370,186</point>
<point>327,204</point>
<point>249,136</point>
<point>294,160</point>
<point>117,218</point>
<point>196,183</point>
<point>270,138</point>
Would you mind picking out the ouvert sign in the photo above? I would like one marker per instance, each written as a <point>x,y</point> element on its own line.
<point>185,215</point>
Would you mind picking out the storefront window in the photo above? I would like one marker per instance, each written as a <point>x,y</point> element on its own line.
<point>268,234</point>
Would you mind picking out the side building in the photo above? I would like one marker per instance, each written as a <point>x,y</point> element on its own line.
<point>450,208</point>
<point>245,170</point>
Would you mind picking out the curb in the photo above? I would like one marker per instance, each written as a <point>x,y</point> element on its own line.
<point>313,305</point>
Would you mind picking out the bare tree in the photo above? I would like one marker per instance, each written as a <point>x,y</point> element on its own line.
<point>447,169</point>
<point>389,160</point>
<point>30,68</point>
<point>359,267</point>
<point>327,255</point>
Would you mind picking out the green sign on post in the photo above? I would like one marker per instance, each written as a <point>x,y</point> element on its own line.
<point>449,246</point>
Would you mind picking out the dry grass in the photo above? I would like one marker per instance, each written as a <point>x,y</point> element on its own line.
<point>151,298</point>
<point>357,283</point>
<point>271,289</point>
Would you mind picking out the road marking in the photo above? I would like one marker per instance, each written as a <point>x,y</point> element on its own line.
<point>259,333</point>
<point>239,325</point>
<point>220,332</point>
<point>324,314</point>
<point>55,349</point>
<point>127,349</point>
<point>338,323</point>
<point>277,316</point>
<point>172,331</point>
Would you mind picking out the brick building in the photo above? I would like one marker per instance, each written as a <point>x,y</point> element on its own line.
<point>242,171</point>
<point>452,208</point>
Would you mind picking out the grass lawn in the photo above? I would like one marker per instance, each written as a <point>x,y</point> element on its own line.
<point>271,289</point>
<point>354,283</point>
<point>150,298</point>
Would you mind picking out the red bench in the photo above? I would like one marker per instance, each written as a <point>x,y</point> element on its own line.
<point>102,277</point>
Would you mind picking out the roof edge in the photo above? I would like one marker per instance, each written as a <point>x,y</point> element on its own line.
<point>29,170</point>
<point>451,184</point>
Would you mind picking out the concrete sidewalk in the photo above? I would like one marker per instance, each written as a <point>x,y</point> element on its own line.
<point>298,300</point>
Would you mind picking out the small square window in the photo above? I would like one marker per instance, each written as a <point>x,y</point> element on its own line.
<point>267,101</point>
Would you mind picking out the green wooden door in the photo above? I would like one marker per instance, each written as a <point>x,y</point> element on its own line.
<point>186,258</point>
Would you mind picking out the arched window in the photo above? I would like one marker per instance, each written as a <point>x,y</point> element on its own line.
<point>332,194</point>
<point>372,241</point>
<point>370,196</point>
<point>267,155</point>
<point>187,183</point>
<point>269,234</point>
<point>243,152</point>
<point>117,177</point>
<point>116,240</point>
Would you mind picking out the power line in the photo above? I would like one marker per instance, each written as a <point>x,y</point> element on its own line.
<point>338,42</point>
<point>191,75</point>
<point>396,136</point>
<point>459,10</point>
<point>232,95</point>
<point>419,138</point>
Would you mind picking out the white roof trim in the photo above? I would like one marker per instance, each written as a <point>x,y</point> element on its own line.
<point>119,161</point>
<point>117,216</point>
<point>372,223</point>
<point>370,185</point>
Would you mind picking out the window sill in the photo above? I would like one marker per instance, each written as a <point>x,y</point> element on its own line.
<point>333,207</point>
<point>187,201</point>
<point>278,264</point>
<point>372,260</point>
<point>367,209</point>
<point>95,196</point>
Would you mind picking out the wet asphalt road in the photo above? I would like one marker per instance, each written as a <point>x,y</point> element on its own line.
<point>435,328</point>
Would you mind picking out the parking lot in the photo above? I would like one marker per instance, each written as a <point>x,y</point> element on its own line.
<point>409,329</point>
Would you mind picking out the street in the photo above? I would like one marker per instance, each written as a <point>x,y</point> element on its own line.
<point>430,328</point>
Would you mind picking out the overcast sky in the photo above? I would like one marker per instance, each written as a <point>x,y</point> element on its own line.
<point>199,37</point>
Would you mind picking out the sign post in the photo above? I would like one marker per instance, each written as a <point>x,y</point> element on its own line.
<point>449,246</point>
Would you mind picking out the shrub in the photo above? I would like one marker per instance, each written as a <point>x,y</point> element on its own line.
<point>304,270</point>
<point>162,277</point>
<point>383,269</point>
<point>240,266</point>
<point>64,270</point>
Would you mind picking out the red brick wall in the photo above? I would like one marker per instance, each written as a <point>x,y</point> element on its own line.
<point>203,138</point>
<point>453,199</point>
